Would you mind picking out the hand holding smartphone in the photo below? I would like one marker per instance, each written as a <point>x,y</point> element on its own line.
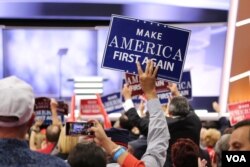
<point>79,128</point>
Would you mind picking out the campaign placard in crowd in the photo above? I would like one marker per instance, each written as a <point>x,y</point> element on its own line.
<point>93,107</point>
<point>42,110</point>
<point>239,112</point>
<point>185,85</point>
<point>133,81</point>
<point>163,92</point>
<point>89,107</point>
<point>112,103</point>
<point>164,97</point>
<point>131,40</point>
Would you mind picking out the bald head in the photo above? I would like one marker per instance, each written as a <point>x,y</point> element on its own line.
<point>53,133</point>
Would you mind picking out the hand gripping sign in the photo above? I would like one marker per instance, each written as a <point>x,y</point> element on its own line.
<point>184,86</point>
<point>42,109</point>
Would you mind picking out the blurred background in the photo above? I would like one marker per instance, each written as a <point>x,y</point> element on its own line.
<point>49,42</point>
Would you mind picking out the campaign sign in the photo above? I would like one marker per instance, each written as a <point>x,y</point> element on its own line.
<point>62,108</point>
<point>42,103</point>
<point>164,97</point>
<point>185,86</point>
<point>239,112</point>
<point>137,100</point>
<point>112,103</point>
<point>133,81</point>
<point>131,40</point>
<point>42,110</point>
<point>235,158</point>
<point>89,107</point>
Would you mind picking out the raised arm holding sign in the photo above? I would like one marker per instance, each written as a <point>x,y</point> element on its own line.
<point>53,107</point>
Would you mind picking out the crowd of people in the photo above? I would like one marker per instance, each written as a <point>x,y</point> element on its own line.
<point>169,135</point>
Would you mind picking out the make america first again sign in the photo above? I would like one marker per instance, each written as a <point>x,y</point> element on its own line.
<point>130,40</point>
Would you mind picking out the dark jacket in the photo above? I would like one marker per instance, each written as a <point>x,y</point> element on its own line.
<point>179,127</point>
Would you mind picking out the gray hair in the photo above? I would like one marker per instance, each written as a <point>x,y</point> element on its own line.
<point>179,106</point>
<point>221,145</point>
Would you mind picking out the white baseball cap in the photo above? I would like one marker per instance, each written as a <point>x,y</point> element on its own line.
<point>16,101</point>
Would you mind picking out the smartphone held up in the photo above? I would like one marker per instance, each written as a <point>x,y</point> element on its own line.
<point>79,128</point>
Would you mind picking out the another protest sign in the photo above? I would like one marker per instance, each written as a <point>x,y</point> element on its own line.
<point>239,112</point>
<point>164,97</point>
<point>89,107</point>
<point>42,110</point>
<point>131,40</point>
<point>42,103</point>
<point>133,81</point>
<point>112,103</point>
<point>95,107</point>
<point>185,85</point>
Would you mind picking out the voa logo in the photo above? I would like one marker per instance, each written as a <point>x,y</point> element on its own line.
<point>236,158</point>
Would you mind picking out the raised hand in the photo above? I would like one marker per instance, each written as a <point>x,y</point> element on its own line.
<point>173,89</point>
<point>147,79</point>
<point>127,91</point>
<point>101,138</point>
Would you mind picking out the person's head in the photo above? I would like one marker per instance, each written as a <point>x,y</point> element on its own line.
<point>66,143</point>
<point>211,137</point>
<point>184,152</point>
<point>16,107</point>
<point>53,133</point>
<point>178,106</point>
<point>221,145</point>
<point>87,155</point>
<point>240,137</point>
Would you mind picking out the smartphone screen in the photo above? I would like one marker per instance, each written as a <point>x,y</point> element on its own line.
<point>78,128</point>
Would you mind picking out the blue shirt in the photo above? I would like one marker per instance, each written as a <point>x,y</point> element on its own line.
<point>16,153</point>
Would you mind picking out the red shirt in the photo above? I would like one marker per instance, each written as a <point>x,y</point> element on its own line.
<point>131,161</point>
<point>211,153</point>
<point>48,149</point>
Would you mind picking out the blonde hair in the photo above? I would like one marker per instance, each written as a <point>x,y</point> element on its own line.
<point>211,137</point>
<point>66,143</point>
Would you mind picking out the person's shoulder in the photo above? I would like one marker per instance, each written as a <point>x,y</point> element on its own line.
<point>49,160</point>
<point>192,115</point>
<point>171,120</point>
